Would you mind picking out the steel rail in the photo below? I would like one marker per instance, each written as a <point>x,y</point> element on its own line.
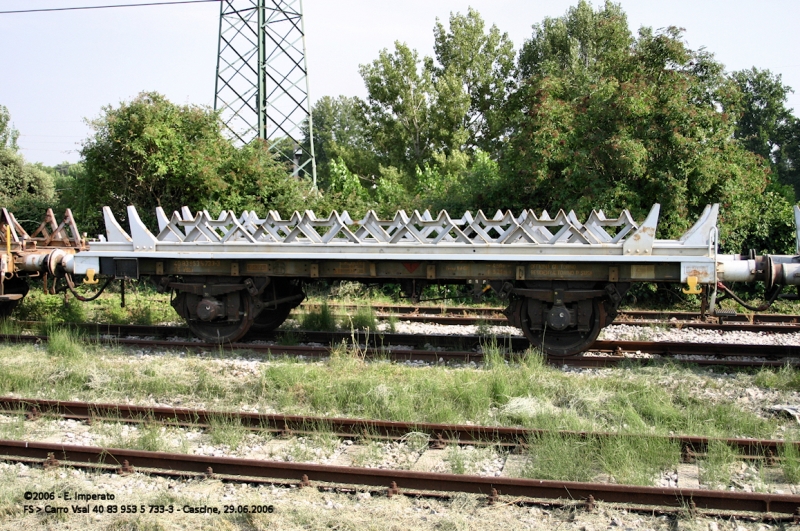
<point>387,340</point>
<point>789,354</point>
<point>398,480</point>
<point>773,323</point>
<point>441,434</point>
<point>774,328</point>
<point>623,315</point>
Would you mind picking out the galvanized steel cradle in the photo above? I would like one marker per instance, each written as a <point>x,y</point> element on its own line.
<point>441,238</point>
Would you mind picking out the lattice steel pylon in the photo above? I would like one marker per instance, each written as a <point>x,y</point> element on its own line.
<point>262,88</point>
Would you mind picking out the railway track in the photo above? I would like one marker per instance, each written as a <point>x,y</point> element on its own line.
<point>440,435</point>
<point>616,351</point>
<point>427,348</point>
<point>479,312</point>
<point>771,323</point>
<point>391,482</point>
<point>774,507</point>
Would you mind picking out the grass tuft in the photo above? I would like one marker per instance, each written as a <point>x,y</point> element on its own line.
<point>483,328</point>
<point>493,356</point>
<point>635,460</point>
<point>629,460</point>
<point>9,327</point>
<point>787,378</point>
<point>717,467</point>
<point>64,343</point>
<point>790,461</point>
<point>14,428</point>
<point>227,430</point>
<point>561,457</point>
<point>319,319</point>
<point>363,319</point>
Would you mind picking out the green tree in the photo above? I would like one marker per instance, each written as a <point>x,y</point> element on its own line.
<point>340,133</point>
<point>27,190</point>
<point>150,152</point>
<point>582,43</point>
<point>765,125</point>
<point>483,63</point>
<point>603,120</point>
<point>8,135</point>
<point>787,156</point>
<point>762,113</point>
<point>411,113</point>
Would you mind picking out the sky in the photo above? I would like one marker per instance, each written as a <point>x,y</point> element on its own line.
<point>59,69</point>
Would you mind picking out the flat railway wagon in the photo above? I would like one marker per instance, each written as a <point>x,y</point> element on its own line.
<point>563,279</point>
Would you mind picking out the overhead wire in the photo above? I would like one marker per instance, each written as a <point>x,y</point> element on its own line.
<point>78,8</point>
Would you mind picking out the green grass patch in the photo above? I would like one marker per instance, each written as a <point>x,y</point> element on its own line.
<point>561,457</point>
<point>320,319</point>
<point>227,430</point>
<point>659,399</point>
<point>790,460</point>
<point>65,343</point>
<point>144,305</point>
<point>363,319</point>
<point>630,460</point>
<point>787,378</point>
<point>370,454</point>
<point>637,460</point>
<point>717,466</point>
<point>13,428</point>
<point>145,436</point>
<point>9,327</point>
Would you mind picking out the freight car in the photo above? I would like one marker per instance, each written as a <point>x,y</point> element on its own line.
<point>563,279</point>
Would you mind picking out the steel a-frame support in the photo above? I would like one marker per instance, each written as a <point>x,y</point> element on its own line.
<point>262,89</point>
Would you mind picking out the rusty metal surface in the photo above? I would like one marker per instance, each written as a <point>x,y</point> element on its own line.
<point>623,316</point>
<point>49,234</point>
<point>348,427</point>
<point>530,488</point>
<point>386,341</point>
<point>784,354</point>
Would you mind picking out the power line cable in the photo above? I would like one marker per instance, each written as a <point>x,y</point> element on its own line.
<point>77,8</point>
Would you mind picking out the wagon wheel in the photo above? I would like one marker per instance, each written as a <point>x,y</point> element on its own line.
<point>559,343</point>
<point>227,329</point>
<point>271,318</point>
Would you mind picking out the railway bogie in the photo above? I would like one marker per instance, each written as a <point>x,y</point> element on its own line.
<point>564,280</point>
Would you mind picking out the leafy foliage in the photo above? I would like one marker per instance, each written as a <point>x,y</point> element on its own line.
<point>8,135</point>
<point>26,189</point>
<point>410,112</point>
<point>765,126</point>
<point>340,133</point>
<point>483,63</point>
<point>591,116</point>
<point>150,152</point>
<point>603,120</point>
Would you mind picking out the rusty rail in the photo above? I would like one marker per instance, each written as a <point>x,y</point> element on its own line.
<point>617,348</point>
<point>398,480</point>
<point>441,434</point>
<point>772,323</point>
<point>781,354</point>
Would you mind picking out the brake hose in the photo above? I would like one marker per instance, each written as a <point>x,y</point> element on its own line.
<point>71,287</point>
<point>776,290</point>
